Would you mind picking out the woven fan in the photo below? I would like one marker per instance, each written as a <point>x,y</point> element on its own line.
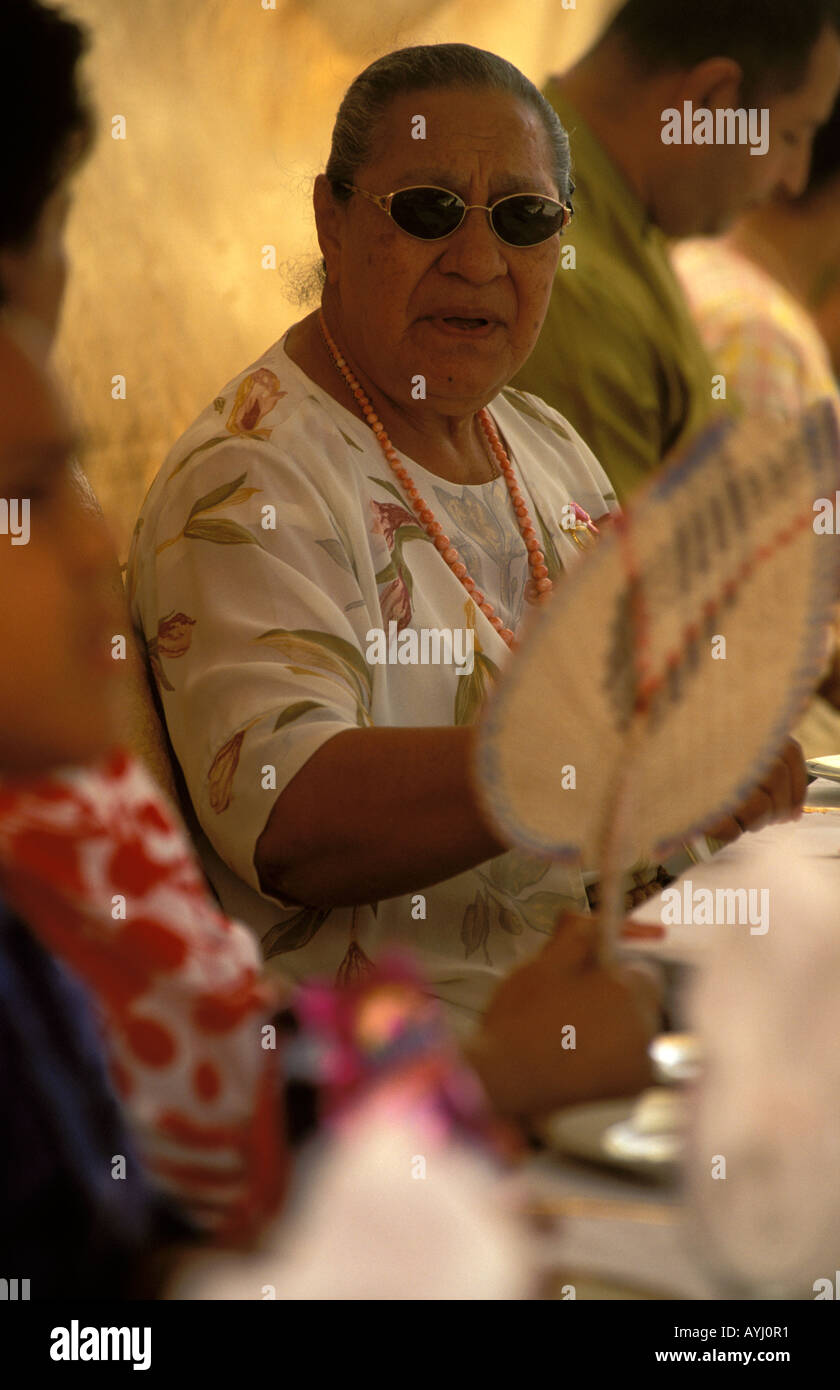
<point>622,675</point>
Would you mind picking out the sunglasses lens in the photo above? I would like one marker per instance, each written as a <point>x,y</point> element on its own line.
<point>427,213</point>
<point>526,219</point>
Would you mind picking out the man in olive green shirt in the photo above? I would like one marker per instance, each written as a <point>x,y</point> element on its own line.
<point>619,354</point>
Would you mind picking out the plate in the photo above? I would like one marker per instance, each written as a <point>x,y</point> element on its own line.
<point>676,1057</point>
<point>608,1133</point>
<point>828,767</point>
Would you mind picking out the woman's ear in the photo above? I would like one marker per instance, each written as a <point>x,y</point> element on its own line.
<point>328,221</point>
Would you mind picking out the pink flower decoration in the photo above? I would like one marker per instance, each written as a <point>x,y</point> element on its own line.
<point>258,393</point>
<point>222,769</point>
<point>585,518</point>
<point>387,519</point>
<point>174,635</point>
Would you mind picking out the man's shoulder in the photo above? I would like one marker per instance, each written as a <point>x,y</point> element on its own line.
<point>600,290</point>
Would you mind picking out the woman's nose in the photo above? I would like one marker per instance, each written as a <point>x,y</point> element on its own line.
<point>474,251</point>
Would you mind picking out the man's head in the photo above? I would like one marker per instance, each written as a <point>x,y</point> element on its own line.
<point>713,56</point>
<point>47,131</point>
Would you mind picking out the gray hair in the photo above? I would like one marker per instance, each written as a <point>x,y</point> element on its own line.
<point>423,68</point>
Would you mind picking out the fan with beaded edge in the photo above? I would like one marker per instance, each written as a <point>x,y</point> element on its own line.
<point>622,676</point>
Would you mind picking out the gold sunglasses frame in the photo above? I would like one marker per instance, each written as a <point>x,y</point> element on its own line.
<point>383,202</point>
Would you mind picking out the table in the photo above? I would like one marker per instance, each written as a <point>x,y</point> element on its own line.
<point>617,1235</point>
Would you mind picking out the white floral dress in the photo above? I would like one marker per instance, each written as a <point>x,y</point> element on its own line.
<point>272,542</point>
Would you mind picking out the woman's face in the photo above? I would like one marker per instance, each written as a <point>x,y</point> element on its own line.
<point>390,294</point>
<point>34,278</point>
<point>57,675</point>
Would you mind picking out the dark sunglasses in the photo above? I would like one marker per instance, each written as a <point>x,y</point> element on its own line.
<point>429,214</point>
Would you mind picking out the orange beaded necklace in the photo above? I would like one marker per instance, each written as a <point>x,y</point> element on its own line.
<point>539,584</point>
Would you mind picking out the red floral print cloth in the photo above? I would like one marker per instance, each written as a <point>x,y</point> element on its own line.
<point>99,868</point>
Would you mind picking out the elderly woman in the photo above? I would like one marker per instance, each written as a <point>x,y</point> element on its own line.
<point>365,493</point>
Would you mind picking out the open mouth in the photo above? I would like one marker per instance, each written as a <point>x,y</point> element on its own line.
<point>471,327</point>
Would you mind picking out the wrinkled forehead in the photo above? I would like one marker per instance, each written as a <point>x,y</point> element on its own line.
<point>449,136</point>
<point>33,424</point>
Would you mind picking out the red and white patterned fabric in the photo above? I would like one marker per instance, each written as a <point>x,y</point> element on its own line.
<point>96,864</point>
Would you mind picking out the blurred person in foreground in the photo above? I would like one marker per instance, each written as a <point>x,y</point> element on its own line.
<point>40,157</point>
<point>619,353</point>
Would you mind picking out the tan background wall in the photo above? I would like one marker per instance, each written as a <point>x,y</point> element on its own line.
<point>228,109</point>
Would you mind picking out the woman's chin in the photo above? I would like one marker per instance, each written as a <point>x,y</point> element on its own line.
<point>463,390</point>
<point>84,738</point>
<point>37,759</point>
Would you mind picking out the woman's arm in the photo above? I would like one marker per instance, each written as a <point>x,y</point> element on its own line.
<point>379,812</point>
<point>375,813</point>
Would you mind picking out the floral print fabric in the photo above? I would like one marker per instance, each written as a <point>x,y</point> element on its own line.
<point>272,542</point>
<point>94,862</point>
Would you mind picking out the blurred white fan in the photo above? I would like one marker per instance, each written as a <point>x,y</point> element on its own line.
<point>668,668</point>
<point>367,1227</point>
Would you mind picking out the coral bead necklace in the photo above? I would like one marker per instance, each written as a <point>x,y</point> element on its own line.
<point>539,584</point>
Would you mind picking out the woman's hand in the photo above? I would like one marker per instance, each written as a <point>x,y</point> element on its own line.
<point>779,796</point>
<point>523,1049</point>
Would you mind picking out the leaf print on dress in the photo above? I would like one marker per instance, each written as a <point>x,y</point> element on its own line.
<point>293,712</point>
<point>346,437</point>
<point>526,405</point>
<point>542,910</point>
<point>296,932</point>
<point>340,549</point>
<point>323,654</point>
<point>470,691</point>
<point>477,520</point>
<point>389,487</point>
<point>483,533</point>
<point>475,926</point>
<point>515,871</point>
<point>506,878</point>
<point>223,770</point>
<point>336,552</point>
<point>221,531</point>
<point>201,448</point>
<point>174,635</point>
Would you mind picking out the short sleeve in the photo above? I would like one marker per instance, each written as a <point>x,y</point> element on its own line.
<point>248,598</point>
